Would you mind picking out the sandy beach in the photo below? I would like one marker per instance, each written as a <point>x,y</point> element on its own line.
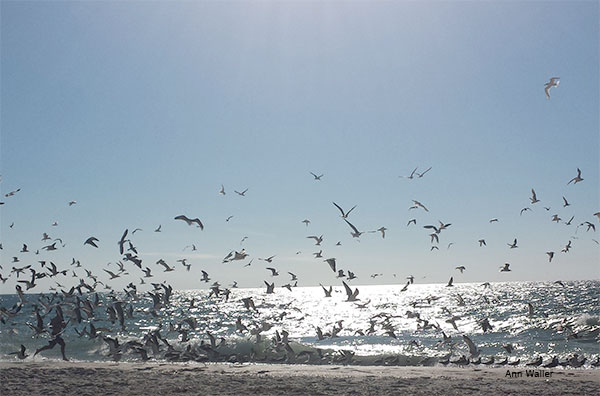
<point>76,378</point>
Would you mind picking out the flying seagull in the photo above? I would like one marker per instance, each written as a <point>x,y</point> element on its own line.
<point>577,178</point>
<point>190,221</point>
<point>351,294</point>
<point>91,241</point>
<point>344,214</point>
<point>355,233</point>
<point>533,198</point>
<point>316,177</point>
<point>554,81</point>
<point>418,204</point>
<point>423,173</point>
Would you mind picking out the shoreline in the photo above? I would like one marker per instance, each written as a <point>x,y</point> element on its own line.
<point>129,378</point>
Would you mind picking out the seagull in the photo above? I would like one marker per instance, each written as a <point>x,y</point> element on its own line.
<point>567,247</point>
<point>294,277</point>
<point>554,81</point>
<point>422,174</point>
<point>341,274</point>
<point>112,274</point>
<point>351,275</point>
<point>382,230</point>
<point>158,228</point>
<point>205,277</point>
<point>318,239</point>
<point>461,268</point>
<point>412,174</point>
<point>270,287</point>
<point>190,221</point>
<point>306,222</point>
<point>122,241</point>
<point>273,271</point>
<point>589,226</point>
<point>411,221</point>
<point>570,220</point>
<point>318,254</point>
<point>229,218</point>
<point>533,198</point>
<point>164,264</point>
<point>472,348</point>
<point>505,268</point>
<point>513,245</point>
<point>418,204</point>
<point>316,177</point>
<point>577,178</point>
<point>71,203</point>
<point>482,242</point>
<point>556,218</point>
<point>550,256</point>
<point>21,353</point>
<point>523,210</point>
<point>355,233</point>
<point>450,282</point>
<point>222,192</point>
<point>241,194</point>
<point>493,220</point>
<point>559,283</point>
<point>565,202</point>
<point>268,259</point>
<point>147,273</point>
<point>91,241</point>
<point>327,292</point>
<point>351,294</point>
<point>344,214</point>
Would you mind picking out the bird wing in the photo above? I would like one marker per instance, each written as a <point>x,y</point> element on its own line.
<point>351,226</point>
<point>348,290</point>
<point>472,348</point>
<point>184,218</point>
<point>341,210</point>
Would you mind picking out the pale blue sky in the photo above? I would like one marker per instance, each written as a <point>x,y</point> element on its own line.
<point>139,111</point>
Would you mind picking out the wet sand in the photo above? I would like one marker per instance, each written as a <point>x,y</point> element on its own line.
<point>77,378</point>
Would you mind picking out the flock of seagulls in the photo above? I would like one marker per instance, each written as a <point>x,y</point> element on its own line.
<point>82,302</point>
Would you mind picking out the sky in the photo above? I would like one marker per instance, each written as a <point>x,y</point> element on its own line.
<point>140,111</point>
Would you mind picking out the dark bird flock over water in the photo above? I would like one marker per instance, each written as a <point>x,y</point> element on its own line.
<point>86,303</point>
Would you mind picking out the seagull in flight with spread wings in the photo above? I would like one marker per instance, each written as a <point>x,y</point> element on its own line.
<point>554,81</point>
<point>191,221</point>
<point>577,178</point>
<point>344,214</point>
<point>317,177</point>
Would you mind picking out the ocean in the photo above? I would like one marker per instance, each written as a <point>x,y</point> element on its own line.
<point>427,324</point>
